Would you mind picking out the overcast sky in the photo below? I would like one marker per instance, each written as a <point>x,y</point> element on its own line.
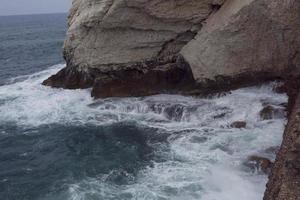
<point>17,7</point>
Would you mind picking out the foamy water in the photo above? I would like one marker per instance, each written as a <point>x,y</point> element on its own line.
<point>197,154</point>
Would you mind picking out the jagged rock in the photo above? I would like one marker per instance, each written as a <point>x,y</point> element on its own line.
<point>238,124</point>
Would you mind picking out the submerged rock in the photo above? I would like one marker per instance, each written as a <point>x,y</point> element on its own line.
<point>271,112</point>
<point>238,124</point>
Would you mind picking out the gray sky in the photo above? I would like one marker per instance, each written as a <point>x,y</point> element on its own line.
<point>17,7</point>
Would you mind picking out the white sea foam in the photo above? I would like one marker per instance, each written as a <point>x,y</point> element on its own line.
<point>206,156</point>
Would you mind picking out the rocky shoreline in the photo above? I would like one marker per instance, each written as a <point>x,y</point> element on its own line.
<point>139,47</point>
<point>284,180</point>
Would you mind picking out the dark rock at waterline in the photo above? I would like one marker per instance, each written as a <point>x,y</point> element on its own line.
<point>258,163</point>
<point>142,79</point>
<point>170,75</point>
<point>238,124</point>
<point>284,180</point>
<point>70,78</point>
<point>271,112</point>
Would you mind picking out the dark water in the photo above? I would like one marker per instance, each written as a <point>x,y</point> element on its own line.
<point>30,43</point>
<point>63,145</point>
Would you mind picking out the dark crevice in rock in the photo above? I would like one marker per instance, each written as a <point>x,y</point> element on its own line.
<point>173,46</point>
<point>215,7</point>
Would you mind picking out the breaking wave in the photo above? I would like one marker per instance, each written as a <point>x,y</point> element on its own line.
<point>157,147</point>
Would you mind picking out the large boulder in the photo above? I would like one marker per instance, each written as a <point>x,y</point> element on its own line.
<point>105,36</point>
<point>177,45</point>
<point>246,41</point>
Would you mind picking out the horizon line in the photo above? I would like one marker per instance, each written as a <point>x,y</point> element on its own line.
<point>28,14</point>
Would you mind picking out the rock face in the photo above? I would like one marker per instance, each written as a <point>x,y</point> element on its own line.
<point>284,183</point>
<point>247,40</point>
<point>214,43</point>
<point>109,36</point>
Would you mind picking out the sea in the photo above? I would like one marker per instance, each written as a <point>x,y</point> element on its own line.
<point>58,144</point>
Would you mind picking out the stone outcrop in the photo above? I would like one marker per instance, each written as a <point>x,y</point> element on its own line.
<point>223,43</point>
<point>109,36</point>
<point>247,40</point>
<point>284,183</point>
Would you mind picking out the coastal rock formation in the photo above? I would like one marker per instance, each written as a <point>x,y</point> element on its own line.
<point>143,47</point>
<point>284,183</point>
<point>247,40</point>
<point>218,44</point>
<point>106,36</point>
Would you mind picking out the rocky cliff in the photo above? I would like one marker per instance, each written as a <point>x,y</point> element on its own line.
<point>144,47</point>
<point>284,180</point>
<point>113,46</point>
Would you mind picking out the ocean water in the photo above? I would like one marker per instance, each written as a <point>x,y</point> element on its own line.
<point>63,145</point>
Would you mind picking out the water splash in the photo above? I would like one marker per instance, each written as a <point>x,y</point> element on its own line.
<point>201,156</point>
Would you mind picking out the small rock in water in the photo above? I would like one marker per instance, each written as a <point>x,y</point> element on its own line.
<point>174,112</point>
<point>259,163</point>
<point>238,124</point>
<point>270,112</point>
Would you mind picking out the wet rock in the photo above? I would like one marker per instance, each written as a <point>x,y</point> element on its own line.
<point>174,112</point>
<point>258,163</point>
<point>70,78</point>
<point>271,112</point>
<point>142,79</point>
<point>280,88</point>
<point>238,124</point>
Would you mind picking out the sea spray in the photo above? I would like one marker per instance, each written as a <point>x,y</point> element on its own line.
<point>157,147</point>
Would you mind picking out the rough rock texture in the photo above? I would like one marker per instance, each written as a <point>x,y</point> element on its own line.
<point>284,183</point>
<point>246,38</point>
<point>108,36</point>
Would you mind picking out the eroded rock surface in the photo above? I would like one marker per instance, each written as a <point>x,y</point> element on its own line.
<point>108,36</point>
<point>247,40</point>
